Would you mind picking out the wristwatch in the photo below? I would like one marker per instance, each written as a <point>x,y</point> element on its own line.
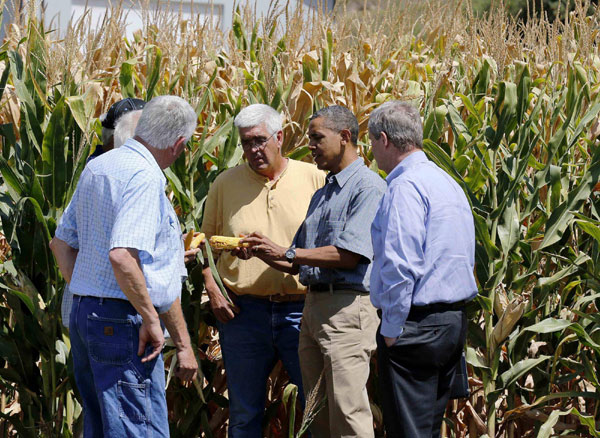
<point>290,254</point>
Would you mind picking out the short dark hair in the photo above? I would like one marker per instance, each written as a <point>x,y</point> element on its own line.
<point>338,118</point>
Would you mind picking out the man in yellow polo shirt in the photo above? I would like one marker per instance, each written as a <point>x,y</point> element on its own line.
<point>269,194</point>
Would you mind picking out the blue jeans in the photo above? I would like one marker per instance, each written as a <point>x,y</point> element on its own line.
<point>251,343</point>
<point>122,397</point>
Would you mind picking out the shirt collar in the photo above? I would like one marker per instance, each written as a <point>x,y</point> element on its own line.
<point>263,179</point>
<point>136,146</point>
<point>344,175</point>
<point>409,161</point>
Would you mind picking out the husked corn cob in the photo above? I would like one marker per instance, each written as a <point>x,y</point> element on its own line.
<point>196,241</point>
<point>187,241</point>
<point>224,242</point>
<point>191,241</point>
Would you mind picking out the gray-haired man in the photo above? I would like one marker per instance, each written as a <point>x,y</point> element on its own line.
<point>119,247</point>
<point>424,238</point>
<point>269,193</point>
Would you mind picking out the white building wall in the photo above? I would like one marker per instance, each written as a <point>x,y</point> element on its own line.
<point>59,12</point>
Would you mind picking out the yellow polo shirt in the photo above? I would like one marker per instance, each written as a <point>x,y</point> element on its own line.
<point>241,201</point>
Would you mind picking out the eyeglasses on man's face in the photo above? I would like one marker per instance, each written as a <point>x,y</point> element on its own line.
<point>256,142</point>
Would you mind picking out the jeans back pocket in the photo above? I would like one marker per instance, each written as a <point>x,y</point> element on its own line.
<point>110,340</point>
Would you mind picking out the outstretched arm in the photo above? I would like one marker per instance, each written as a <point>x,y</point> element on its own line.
<point>323,257</point>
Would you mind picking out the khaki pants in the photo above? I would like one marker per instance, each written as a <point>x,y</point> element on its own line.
<point>338,337</point>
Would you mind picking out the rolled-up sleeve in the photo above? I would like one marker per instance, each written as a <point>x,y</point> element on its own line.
<point>355,236</point>
<point>400,255</point>
<point>67,226</point>
<point>136,224</point>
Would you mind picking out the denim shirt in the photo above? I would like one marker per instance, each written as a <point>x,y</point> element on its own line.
<point>340,214</point>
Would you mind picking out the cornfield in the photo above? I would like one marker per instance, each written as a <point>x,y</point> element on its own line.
<point>510,110</point>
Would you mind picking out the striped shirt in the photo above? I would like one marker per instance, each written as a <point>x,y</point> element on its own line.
<point>120,202</point>
<point>340,214</point>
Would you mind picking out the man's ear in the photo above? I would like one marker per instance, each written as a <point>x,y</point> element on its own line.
<point>385,140</point>
<point>178,147</point>
<point>346,135</point>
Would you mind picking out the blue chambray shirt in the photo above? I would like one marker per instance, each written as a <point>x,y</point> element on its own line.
<point>424,243</point>
<point>340,214</point>
<point>120,201</point>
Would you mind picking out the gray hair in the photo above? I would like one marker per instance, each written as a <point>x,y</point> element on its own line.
<point>107,135</point>
<point>165,119</point>
<point>337,118</point>
<point>125,127</point>
<point>257,114</point>
<point>401,123</point>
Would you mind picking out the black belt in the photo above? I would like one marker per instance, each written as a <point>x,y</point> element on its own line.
<point>330,287</point>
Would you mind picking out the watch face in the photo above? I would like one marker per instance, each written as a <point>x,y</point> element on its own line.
<point>290,254</point>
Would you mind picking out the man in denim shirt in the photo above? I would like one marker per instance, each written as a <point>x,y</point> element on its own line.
<point>332,252</point>
<point>118,246</point>
<point>424,240</point>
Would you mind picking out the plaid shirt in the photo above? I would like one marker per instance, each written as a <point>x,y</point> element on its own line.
<point>120,201</point>
<point>340,214</point>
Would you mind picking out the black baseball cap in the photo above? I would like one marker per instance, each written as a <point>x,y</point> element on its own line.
<point>109,120</point>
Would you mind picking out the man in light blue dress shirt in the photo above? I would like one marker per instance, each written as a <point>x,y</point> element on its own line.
<point>424,245</point>
<point>118,245</point>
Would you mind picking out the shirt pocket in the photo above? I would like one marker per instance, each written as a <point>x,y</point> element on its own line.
<point>329,232</point>
<point>170,233</point>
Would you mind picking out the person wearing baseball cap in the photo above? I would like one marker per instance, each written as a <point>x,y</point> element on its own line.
<point>109,122</point>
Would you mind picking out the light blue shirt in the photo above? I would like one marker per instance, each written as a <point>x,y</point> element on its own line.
<point>340,214</point>
<point>120,202</point>
<point>424,243</point>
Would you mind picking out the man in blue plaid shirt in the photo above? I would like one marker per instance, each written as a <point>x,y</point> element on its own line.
<point>118,245</point>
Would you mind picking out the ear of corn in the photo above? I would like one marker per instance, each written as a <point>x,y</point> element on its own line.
<point>197,240</point>
<point>224,242</point>
<point>189,237</point>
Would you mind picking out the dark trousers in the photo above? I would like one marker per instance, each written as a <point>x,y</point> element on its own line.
<point>415,374</point>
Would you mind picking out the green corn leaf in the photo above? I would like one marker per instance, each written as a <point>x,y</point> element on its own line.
<point>434,123</point>
<point>509,229</point>
<point>546,430</point>
<point>481,83</point>
<point>563,215</point>
<point>520,369</point>
<point>126,78</point>
<point>54,151</point>
<point>299,153</point>
<point>154,73</point>
<point>483,236</point>
<point>4,78</point>
<point>13,180</point>
<point>215,273</point>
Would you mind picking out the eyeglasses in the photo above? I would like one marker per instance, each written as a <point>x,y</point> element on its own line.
<point>256,142</point>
